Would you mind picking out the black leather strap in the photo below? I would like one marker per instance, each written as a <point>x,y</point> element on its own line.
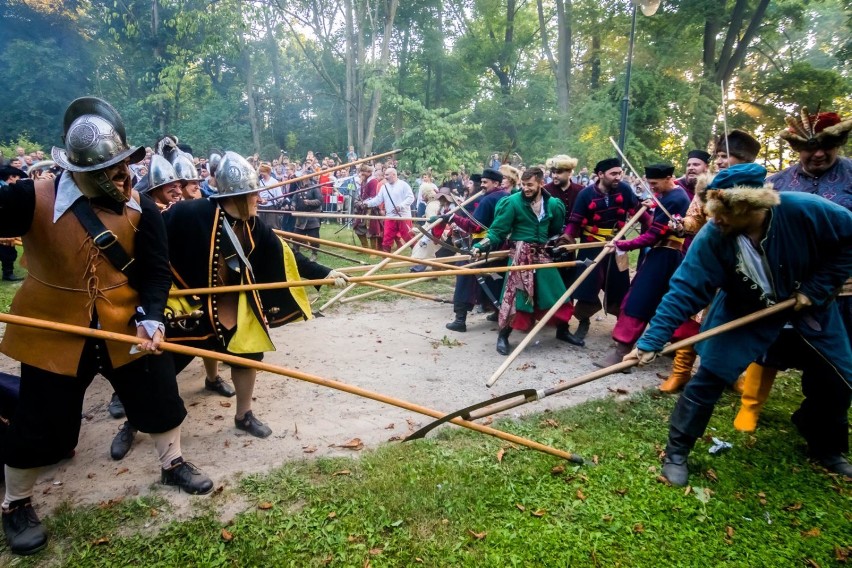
<point>103,238</point>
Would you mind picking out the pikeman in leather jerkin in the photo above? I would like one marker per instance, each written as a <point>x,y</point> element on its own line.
<point>220,241</point>
<point>98,258</point>
<point>483,290</point>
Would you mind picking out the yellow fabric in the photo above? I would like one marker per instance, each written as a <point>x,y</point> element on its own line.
<point>180,305</point>
<point>251,335</point>
<point>291,270</point>
<point>600,235</point>
<point>480,234</point>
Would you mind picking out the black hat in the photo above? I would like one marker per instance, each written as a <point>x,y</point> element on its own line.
<point>700,154</point>
<point>608,164</point>
<point>9,171</point>
<point>659,171</point>
<point>493,175</point>
<point>740,144</point>
<point>476,178</point>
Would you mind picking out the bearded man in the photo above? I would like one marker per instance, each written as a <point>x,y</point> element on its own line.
<point>97,258</point>
<point>697,163</point>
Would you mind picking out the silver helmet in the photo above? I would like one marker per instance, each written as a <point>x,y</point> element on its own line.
<point>94,137</point>
<point>160,172</point>
<point>235,176</point>
<point>213,162</point>
<point>184,168</point>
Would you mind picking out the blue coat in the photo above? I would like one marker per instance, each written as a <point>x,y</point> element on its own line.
<point>808,246</point>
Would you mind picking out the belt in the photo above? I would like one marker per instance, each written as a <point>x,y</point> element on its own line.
<point>671,244</point>
<point>601,235</point>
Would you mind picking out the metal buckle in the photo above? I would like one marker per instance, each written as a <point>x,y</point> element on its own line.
<point>105,239</point>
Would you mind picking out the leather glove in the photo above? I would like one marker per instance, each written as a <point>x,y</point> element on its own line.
<point>340,279</point>
<point>802,302</point>
<point>641,358</point>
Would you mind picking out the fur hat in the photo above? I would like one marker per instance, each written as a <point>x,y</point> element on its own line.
<point>511,172</point>
<point>824,130</point>
<point>561,162</point>
<point>738,189</point>
<point>740,144</point>
<point>493,175</point>
<point>427,194</point>
<point>608,164</point>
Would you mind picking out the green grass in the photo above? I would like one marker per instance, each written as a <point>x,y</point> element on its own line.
<point>8,289</point>
<point>448,501</point>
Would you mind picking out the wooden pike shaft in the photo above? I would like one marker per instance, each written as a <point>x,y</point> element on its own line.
<point>343,215</point>
<point>395,288</point>
<point>329,253</point>
<point>383,288</point>
<point>407,263</point>
<point>330,170</point>
<point>355,280</point>
<point>283,371</point>
<point>388,255</point>
<point>546,317</point>
<point>624,365</point>
<point>382,264</point>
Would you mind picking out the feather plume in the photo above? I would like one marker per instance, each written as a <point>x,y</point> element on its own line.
<point>806,122</point>
<point>795,127</point>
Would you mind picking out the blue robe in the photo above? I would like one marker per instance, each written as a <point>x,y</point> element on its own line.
<point>808,247</point>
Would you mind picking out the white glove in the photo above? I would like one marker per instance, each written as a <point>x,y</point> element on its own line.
<point>340,279</point>
<point>641,358</point>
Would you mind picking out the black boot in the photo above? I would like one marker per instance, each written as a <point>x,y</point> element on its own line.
<point>187,477</point>
<point>116,407</point>
<point>122,442</point>
<point>460,323</point>
<point>583,328</point>
<point>562,334</point>
<point>503,341</point>
<point>687,424</point>
<point>22,528</point>
<point>12,277</point>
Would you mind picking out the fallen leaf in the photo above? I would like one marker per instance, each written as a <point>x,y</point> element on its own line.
<point>375,551</point>
<point>557,469</point>
<point>539,513</point>
<point>607,518</point>
<point>595,460</point>
<point>395,439</point>
<point>476,535</point>
<point>122,470</point>
<point>224,404</point>
<point>652,469</point>
<point>500,453</point>
<point>418,559</point>
<point>389,426</point>
<point>663,480</point>
<point>218,417</point>
<point>153,512</point>
<point>842,554</point>
<point>366,563</point>
<point>227,443</point>
<point>520,507</point>
<point>638,528</point>
<point>342,472</point>
<point>309,449</point>
<point>218,489</point>
<point>617,390</point>
<point>729,530</point>
<point>353,444</point>
<point>812,563</point>
<point>814,532</point>
<point>550,422</point>
<point>711,475</point>
<point>580,495</point>
<point>102,540</point>
<point>91,476</point>
<point>622,491</point>
<point>266,505</point>
<point>331,515</point>
<point>794,507</point>
<point>688,490</point>
<point>488,421</point>
<point>227,536</point>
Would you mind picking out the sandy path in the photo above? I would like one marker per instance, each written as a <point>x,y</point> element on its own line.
<point>386,347</point>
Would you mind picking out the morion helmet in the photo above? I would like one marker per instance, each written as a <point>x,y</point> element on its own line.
<point>184,168</point>
<point>235,176</point>
<point>160,173</point>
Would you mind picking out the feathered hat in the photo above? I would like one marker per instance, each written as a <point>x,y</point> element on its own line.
<point>824,130</point>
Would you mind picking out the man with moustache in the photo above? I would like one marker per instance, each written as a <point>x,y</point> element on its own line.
<point>97,258</point>
<point>697,163</point>
<point>563,187</point>
<point>397,197</point>
<point>530,216</point>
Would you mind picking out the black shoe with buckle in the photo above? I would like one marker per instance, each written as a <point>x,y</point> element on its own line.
<point>22,528</point>
<point>122,442</point>
<point>116,407</point>
<point>220,386</point>
<point>252,425</point>
<point>187,477</point>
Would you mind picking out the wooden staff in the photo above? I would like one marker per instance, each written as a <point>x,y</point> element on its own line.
<point>383,288</point>
<point>546,317</point>
<point>408,263</point>
<point>394,288</point>
<point>518,398</point>
<point>343,216</point>
<point>317,249</point>
<point>382,264</point>
<point>581,246</point>
<point>283,371</point>
<point>355,280</point>
<point>328,171</point>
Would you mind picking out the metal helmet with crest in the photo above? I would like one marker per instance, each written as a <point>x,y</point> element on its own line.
<point>185,168</point>
<point>95,139</point>
<point>160,173</point>
<point>235,176</point>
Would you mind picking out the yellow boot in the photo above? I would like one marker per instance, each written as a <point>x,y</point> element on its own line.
<point>739,386</point>
<point>684,359</point>
<point>758,383</point>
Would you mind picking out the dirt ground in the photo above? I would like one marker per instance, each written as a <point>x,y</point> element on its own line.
<point>394,348</point>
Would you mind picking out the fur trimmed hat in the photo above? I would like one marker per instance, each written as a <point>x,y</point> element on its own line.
<point>737,189</point>
<point>739,144</point>
<point>561,162</point>
<point>824,130</point>
<point>511,172</point>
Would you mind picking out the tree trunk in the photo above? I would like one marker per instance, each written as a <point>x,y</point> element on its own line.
<point>595,62</point>
<point>155,29</point>
<point>376,99</point>
<point>279,131</point>
<point>349,102</point>
<point>248,74</point>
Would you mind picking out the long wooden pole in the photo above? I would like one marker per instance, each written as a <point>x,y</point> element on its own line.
<point>329,253</point>
<point>383,288</point>
<point>342,215</point>
<point>330,170</point>
<point>624,365</point>
<point>382,264</point>
<point>546,317</point>
<point>283,371</point>
<point>395,288</point>
<point>408,263</point>
<point>355,280</point>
